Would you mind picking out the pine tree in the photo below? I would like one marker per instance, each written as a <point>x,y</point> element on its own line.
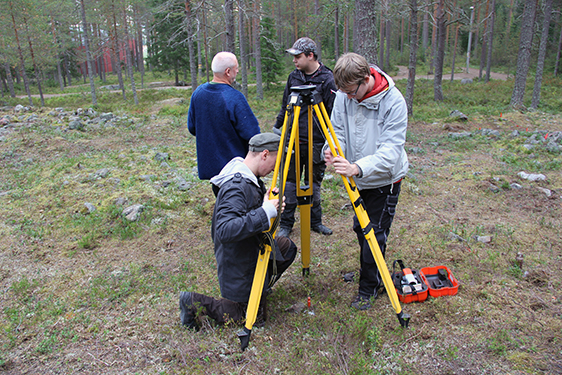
<point>270,53</point>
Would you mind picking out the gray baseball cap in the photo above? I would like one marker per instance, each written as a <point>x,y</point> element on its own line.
<point>302,45</point>
<point>264,141</point>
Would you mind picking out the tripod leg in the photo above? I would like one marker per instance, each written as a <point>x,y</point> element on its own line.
<point>304,195</point>
<point>263,258</point>
<point>255,297</point>
<point>362,215</point>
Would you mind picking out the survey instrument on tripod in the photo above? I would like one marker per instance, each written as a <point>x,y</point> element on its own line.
<point>301,96</point>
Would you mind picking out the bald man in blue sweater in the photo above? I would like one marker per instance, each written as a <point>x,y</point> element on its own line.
<point>220,118</point>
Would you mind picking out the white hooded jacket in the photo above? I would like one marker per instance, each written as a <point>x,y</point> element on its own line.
<point>372,134</point>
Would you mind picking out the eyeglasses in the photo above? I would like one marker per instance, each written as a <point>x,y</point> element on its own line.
<point>355,92</point>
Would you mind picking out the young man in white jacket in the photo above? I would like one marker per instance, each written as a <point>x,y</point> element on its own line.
<point>370,119</point>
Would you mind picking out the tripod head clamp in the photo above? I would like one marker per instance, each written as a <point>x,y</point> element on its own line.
<point>304,95</point>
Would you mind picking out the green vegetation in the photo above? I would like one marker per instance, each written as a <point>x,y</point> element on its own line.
<point>88,290</point>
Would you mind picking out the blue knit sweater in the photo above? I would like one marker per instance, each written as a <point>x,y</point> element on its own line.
<point>222,122</point>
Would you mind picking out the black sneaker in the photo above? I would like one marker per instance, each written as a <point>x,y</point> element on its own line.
<point>322,229</point>
<point>187,314</point>
<point>361,302</point>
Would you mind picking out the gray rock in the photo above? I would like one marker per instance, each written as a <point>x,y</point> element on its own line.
<point>183,185</point>
<point>535,139</point>
<point>492,132</point>
<point>552,146</point>
<point>529,147</point>
<point>107,116</point>
<point>515,133</point>
<point>161,156</point>
<point>120,201</point>
<point>460,135</point>
<point>102,173</point>
<point>547,192</point>
<point>76,125</point>
<point>416,150</point>
<point>91,208</point>
<point>532,176</point>
<point>297,308</point>
<point>466,81</point>
<point>133,212</point>
<point>515,186</point>
<point>164,165</point>
<point>483,239</point>
<point>458,115</point>
<point>18,108</point>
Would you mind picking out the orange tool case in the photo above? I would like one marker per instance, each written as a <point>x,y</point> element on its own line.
<point>415,286</point>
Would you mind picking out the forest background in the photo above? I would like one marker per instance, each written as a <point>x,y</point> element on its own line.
<point>93,124</point>
<point>47,43</point>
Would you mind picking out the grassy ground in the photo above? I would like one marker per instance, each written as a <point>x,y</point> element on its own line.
<point>94,293</point>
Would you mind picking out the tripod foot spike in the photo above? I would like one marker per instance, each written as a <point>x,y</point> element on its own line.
<point>244,336</point>
<point>404,319</point>
<point>306,272</point>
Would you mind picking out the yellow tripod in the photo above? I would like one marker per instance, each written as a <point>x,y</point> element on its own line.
<point>306,95</point>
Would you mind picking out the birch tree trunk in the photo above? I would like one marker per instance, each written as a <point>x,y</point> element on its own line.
<point>542,53</point>
<point>89,58</point>
<point>524,55</point>
<point>413,56</point>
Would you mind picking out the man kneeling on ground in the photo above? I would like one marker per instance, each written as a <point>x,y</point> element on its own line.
<point>242,212</point>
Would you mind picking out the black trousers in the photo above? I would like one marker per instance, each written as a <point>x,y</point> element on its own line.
<point>223,310</point>
<point>318,169</point>
<point>380,204</point>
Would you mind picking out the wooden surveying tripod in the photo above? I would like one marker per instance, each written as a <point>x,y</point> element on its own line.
<point>307,95</point>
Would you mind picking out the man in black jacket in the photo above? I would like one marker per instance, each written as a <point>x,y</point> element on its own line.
<point>309,71</point>
<point>242,212</point>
